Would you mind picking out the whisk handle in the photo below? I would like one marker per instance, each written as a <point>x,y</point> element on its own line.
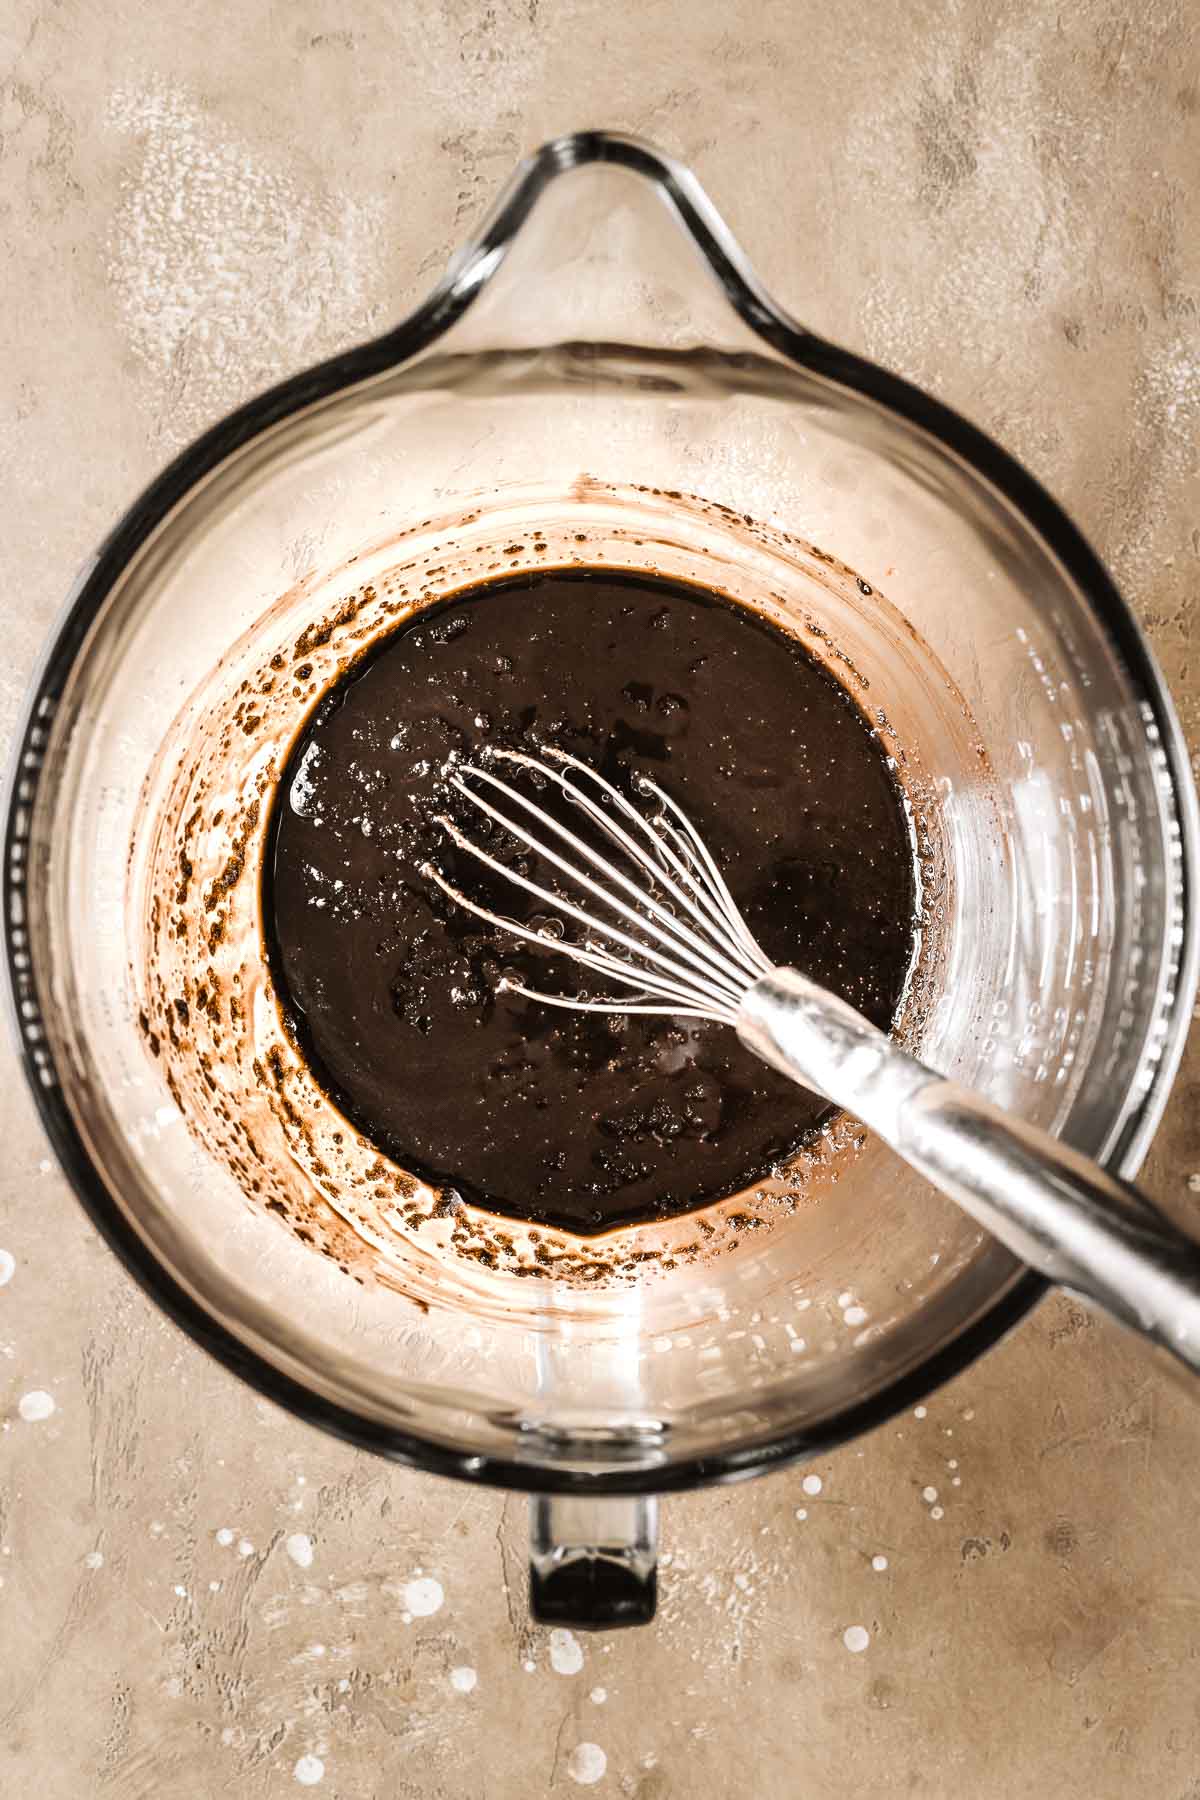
<point>1054,1208</point>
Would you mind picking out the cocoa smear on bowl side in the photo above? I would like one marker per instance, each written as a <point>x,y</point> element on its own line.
<point>211,1016</point>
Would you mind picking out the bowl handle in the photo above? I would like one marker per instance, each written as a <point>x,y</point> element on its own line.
<point>593,1562</point>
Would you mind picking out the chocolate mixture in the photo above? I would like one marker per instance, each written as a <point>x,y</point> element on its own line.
<point>581,1120</point>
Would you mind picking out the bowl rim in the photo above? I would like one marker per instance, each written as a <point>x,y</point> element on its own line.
<point>466,277</point>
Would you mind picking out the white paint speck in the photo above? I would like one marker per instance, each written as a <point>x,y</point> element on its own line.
<point>956,1481</point>
<point>937,1512</point>
<point>586,1764</point>
<point>309,1770</point>
<point>245,1548</point>
<point>300,1549</point>
<point>1194,1182</point>
<point>969,1414</point>
<point>566,1652</point>
<point>8,1263</point>
<point>598,1696</point>
<point>920,1412</point>
<point>856,1638</point>
<point>845,1299</point>
<point>879,1564</point>
<point>855,1315</point>
<point>528,1666</point>
<point>463,1679</point>
<point>214,1587</point>
<point>423,1597</point>
<point>929,1495</point>
<point>35,1406</point>
<point>181,1592</point>
<point>812,1484</point>
<point>224,1537</point>
<point>94,1560</point>
<point>802,1512</point>
<point>953,1463</point>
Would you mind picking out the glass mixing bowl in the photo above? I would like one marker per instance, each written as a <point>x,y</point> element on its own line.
<point>597,378</point>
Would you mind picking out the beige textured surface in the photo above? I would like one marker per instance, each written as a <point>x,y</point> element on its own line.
<point>998,199</point>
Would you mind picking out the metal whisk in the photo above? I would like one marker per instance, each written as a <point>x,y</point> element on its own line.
<point>682,945</point>
<point>657,919</point>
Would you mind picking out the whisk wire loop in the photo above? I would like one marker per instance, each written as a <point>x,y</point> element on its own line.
<point>680,944</point>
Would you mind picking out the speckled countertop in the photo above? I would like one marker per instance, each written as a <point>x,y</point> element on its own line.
<point>200,1597</point>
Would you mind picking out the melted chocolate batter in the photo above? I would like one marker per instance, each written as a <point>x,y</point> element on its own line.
<point>580,1120</point>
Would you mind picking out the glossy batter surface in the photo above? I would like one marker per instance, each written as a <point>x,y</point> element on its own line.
<point>585,1121</point>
